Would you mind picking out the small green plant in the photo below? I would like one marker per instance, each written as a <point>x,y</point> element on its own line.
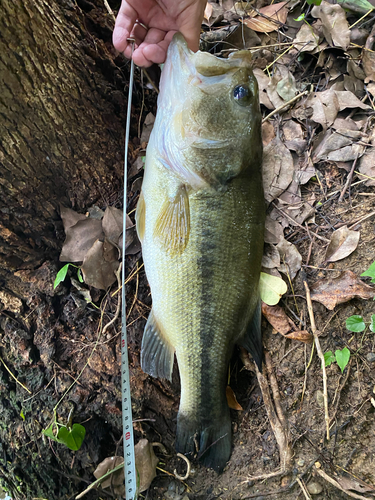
<point>341,357</point>
<point>371,273</point>
<point>61,275</point>
<point>70,435</point>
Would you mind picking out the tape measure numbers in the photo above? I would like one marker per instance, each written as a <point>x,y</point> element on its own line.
<point>127,419</point>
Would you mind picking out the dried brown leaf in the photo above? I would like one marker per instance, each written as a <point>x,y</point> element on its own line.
<point>335,26</point>
<point>276,316</point>
<point>263,82</point>
<point>70,217</point>
<point>145,463</point>
<point>96,270</point>
<point>80,238</point>
<point>268,133</point>
<point>343,243</point>
<point>273,231</point>
<point>367,166</point>
<point>271,257</point>
<point>148,125</point>
<point>339,146</point>
<point>232,400</point>
<point>301,335</point>
<point>275,14</point>
<point>308,37</point>
<point>286,87</point>
<point>333,291</point>
<point>278,169</point>
<point>116,480</point>
<point>290,257</point>
<point>325,107</point>
<point>112,223</point>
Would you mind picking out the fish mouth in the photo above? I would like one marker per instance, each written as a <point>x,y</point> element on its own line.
<point>204,64</point>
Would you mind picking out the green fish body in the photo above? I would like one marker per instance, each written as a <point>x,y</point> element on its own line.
<point>200,219</point>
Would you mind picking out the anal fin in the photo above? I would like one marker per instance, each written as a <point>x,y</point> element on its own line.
<point>252,339</point>
<point>172,227</point>
<point>157,354</point>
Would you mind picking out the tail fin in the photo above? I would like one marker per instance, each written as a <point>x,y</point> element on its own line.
<point>213,437</point>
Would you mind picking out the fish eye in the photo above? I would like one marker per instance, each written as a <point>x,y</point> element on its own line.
<point>242,94</point>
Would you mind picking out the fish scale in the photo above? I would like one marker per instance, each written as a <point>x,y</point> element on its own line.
<point>200,220</point>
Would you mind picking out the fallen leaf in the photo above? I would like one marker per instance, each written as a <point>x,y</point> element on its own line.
<point>276,316</point>
<point>325,107</point>
<point>148,125</point>
<point>286,87</point>
<point>273,231</point>
<point>208,11</point>
<point>278,169</point>
<point>291,259</point>
<point>335,25</point>
<point>268,133</point>
<point>349,100</point>
<point>112,223</point>
<point>343,243</point>
<point>360,6</point>
<point>80,238</point>
<point>275,15</point>
<point>339,145</point>
<point>271,257</point>
<point>301,335</point>
<point>367,166</point>
<point>242,37</point>
<point>271,288</point>
<point>333,291</point>
<point>96,270</point>
<point>70,217</point>
<point>145,463</point>
<point>116,480</point>
<point>263,82</point>
<point>308,37</point>
<point>232,400</point>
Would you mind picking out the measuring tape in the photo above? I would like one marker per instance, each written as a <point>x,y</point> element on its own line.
<point>127,419</point>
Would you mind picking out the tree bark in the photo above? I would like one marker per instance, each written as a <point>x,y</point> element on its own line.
<point>62,109</point>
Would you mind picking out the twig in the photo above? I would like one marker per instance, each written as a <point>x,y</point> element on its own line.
<point>98,481</point>
<point>339,390</point>
<point>362,219</point>
<point>303,488</point>
<point>280,431</point>
<point>284,105</point>
<point>118,276</point>
<point>300,225</point>
<point>14,377</point>
<point>320,354</point>
<point>332,481</point>
<point>348,179</point>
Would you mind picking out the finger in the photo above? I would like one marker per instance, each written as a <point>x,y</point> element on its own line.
<point>154,53</point>
<point>158,53</point>
<point>125,21</point>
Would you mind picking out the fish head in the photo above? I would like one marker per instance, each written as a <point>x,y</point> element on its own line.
<point>213,107</point>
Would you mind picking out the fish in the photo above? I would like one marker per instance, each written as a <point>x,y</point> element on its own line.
<point>200,219</point>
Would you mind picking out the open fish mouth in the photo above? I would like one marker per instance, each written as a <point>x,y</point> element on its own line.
<point>204,64</point>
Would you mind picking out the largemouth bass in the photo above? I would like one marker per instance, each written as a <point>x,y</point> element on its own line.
<point>200,220</point>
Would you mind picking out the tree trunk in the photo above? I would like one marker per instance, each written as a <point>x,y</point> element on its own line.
<point>62,103</point>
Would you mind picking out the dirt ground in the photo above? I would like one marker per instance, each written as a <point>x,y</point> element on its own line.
<point>63,339</point>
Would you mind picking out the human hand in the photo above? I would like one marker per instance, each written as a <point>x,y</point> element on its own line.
<point>163,18</point>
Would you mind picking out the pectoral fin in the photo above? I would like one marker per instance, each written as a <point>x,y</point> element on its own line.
<point>252,340</point>
<point>157,353</point>
<point>140,217</point>
<point>173,224</point>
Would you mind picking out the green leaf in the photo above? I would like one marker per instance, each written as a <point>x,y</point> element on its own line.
<point>342,358</point>
<point>370,272</point>
<point>372,324</point>
<point>22,415</point>
<point>79,274</point>
<point>271,288</point>
<point>61,275</point>
<point>49,432</point>
<point>300,18</point>
<point>329,358</point>
<point>315,2</point>
<point>72,438</point>
<point>355,323</point>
